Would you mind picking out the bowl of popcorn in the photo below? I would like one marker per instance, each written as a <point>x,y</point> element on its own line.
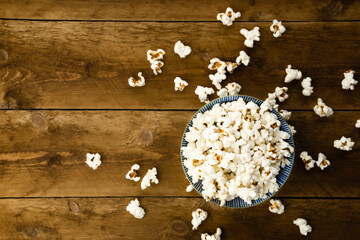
<point>237,151</point>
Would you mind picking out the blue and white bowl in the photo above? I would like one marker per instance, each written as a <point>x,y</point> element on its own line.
<point>280,178</point>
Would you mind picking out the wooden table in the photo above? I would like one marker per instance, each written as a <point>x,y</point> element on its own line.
<point>64,67</point>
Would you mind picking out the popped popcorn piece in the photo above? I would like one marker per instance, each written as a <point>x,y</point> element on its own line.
<point>276,206</point>
<point>131,175</point>
<point>134,209</point>
<point>154,58</point>
<point>230,67</point>
<point>271,100</point>
<point>217,78</point>
<point>236,149</point>
<point>281,93</point>
<point>322,161</point>
<point>348,83</point>
<point>137,82</point>
<point>203,93</point>
<point>306,84</point>
<point>198,217</point>
<point>243,58</point>
<point>189,188</point>
<point>357,124</point>
<point>307,160</point>
<point>251,36</point>
<point>149,178</point>
<point>180,84</point>
<point>285,114</point>
<point>228,17</point>
<point>322,110</point>
<point>181,50</point>
<point>215,236</point>
<point>156,67</point>
<point>292,74</point>
<point>223,92</point>
<point>93,160</point>
<point>233,88</point>
<point>218,65</point>
<point>277,28</point>
<point>345,144</point>
<point>304,227</point>
<point>292,129</point>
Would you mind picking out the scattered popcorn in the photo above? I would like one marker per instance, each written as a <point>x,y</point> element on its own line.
<point>281,93</point>
<point>251,36</point>
<point>93,160</point>
<point>149,178</point>
<point>131,175</point>
<point>292,129</point>
<point>181,50</point>
<point>217,78</point>
<point>233,88</point>
<point>180,84</point>
<point>271,100</point>
<point>357,124</point>
<point>277,28</point>
<point>135,209</point>
<point>306,84</point>
<point>198,217</point>
<point>218,65</point>
<point>322,161</point>
<point>349,82</point>
<point>137,82</point>
<point>156,67</point>
<point>215,236</point>
<point>345,144</point>
<point>154,58</point>
<point>285,114</point>
<point>276,206</point>
<point>228,17</point>
<point>243,58</point>
<point>236,149</point>
<point>222,92</point>
<point>322,110</point>
<point>189,188</point>
<point>292,74</point>
<point>303,226</point>
<point>203,93</point>
<point>230,67</point>
<point>307,160</point>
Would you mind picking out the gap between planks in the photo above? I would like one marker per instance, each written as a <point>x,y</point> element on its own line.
<point>171,197</point>
<point>146,110</point>
<point>162,21</point>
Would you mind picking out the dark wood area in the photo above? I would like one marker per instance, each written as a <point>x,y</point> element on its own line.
<point>64,92</point>
<point>170,218</point>
<point>178,10</point>
<point>85,65</point>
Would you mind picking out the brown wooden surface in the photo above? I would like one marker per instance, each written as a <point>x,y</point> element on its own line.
<point>43,153</point>
<point>178,10</point>
<point>67,64</point>
<point>86,64</point>
<point>104,218</point>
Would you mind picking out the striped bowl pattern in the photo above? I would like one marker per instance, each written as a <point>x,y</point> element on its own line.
<point>280,178</point>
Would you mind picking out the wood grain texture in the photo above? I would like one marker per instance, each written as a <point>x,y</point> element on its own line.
<point>43,153</point>
<point>171,219</point>
<point>86,65</point>
<point>177,10</point>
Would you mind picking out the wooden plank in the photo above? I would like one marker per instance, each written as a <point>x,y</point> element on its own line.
<point>165,218</point>
<point>156,10</point>
<point>43,153</point>
<point>86,65</point>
